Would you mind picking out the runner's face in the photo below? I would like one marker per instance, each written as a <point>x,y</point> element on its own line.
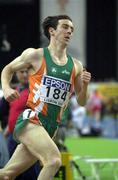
<point>64,31</point>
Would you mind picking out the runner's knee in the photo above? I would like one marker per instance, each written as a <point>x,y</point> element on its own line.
<point>55,163</point>
<point>4,175</point>
<point>8,174</point>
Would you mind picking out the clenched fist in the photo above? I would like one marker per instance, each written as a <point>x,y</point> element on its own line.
<point>11,94</point>
<point>85,76</point>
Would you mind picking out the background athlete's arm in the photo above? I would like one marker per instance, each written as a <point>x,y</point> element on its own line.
<point>81,83</point>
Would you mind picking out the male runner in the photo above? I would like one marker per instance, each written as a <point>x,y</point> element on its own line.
<point>52,76</point>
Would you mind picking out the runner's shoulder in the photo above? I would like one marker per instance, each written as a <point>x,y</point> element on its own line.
<point>32,53</point>
<point>78,66</point>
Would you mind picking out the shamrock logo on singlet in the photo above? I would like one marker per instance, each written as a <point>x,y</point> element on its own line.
<point>54,70</point>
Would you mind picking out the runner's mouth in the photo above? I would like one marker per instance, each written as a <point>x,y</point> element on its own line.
<point>67,38</point>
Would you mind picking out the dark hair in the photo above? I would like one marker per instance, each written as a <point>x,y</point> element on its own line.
<point>52,21</point>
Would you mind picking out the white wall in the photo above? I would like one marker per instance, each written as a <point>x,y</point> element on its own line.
<point>76,9</point>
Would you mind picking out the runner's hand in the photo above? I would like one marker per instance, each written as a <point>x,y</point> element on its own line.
<point>11,94</point>
<point>85,76</point>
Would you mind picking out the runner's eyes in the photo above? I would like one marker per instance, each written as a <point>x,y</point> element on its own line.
<point>66,27</point>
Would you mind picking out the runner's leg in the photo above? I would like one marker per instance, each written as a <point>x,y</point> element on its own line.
<point>21,160</point>
<point>43,148</point>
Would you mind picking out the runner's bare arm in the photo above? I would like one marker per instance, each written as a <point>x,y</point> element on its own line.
<point>81,83</point>
<point>28,59</point>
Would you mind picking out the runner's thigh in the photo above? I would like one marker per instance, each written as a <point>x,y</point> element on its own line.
<point>38,142</point>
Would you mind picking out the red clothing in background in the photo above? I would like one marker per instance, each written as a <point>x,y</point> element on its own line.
<point>16,107</point>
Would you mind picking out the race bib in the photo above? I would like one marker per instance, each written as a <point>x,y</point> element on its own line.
<point>54,91</point>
